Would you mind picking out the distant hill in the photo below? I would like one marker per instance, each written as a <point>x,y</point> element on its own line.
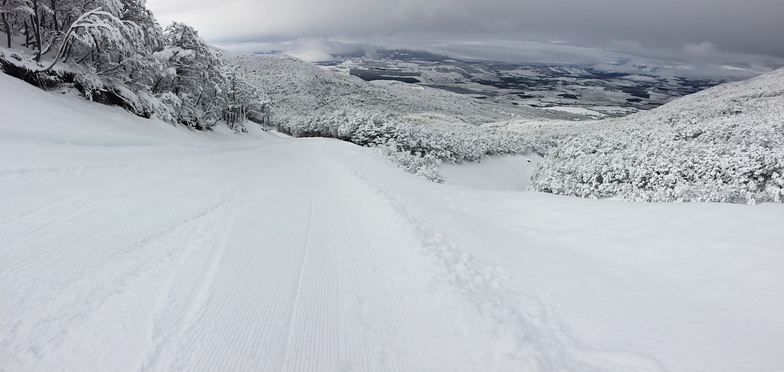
<point>301,91</point>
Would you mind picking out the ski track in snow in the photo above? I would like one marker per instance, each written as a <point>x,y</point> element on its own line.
<point>207,266</point>
<point>528,334</point>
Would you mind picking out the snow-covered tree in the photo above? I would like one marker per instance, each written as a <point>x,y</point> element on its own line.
<point>96,34</point>
<point>196,76</point>
<point>116,52</point>
<point>243,102</point>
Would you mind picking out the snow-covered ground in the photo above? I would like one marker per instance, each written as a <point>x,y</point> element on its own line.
<point>579,111</point>
<point>506,173</point>
<point>130,244</point>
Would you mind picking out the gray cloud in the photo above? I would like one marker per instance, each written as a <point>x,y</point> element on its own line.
<point>696,27</point>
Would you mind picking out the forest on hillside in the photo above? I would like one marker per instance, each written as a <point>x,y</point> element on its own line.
<point>114,51</point>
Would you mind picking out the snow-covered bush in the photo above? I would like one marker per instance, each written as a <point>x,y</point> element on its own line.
<point>418,164</point>
<point>445,142</point>
<point>415,147</point>
<point>725,144</point>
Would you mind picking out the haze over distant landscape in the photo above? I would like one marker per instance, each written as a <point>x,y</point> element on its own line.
<point>698,30</point>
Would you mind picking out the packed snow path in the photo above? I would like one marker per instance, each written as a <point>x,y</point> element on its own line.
<point>258,258</point>
<point>127,244</point>
<point>273,257</point>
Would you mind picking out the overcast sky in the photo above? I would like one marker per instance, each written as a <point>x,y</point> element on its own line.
<point>694,27</point>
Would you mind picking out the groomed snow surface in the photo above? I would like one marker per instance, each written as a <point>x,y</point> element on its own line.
<point>129,244</point>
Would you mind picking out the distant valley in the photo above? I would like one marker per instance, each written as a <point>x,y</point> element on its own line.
<point>611,89</point>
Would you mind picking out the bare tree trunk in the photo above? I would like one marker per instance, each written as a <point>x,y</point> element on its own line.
<point>67,50</point>
<point>32,31</point>
<point>7,26</point>
<point>7,30</point>
<point>54,15</point>
<point>36,20</point>
<point>27,35</point>
<point>155,87</point>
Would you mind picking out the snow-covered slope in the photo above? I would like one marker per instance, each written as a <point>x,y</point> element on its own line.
<point>131,244</point>
<point>724,144</point>
<point>303,92</point>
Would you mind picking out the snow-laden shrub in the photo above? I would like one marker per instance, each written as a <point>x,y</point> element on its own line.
<point>458,142</point>
<point>453,142</point>
<point>418,164</point>
<point>725,144</point>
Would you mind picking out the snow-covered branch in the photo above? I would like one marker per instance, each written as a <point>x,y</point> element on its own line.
<point>93,20</point>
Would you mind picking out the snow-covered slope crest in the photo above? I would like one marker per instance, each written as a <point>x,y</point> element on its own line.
<point>724,144</point>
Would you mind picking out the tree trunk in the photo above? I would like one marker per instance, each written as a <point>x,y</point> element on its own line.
<point>32,32</point>
<point>54,15</point>
<point>37,30</point>
<point>66,51</point>
<point>6,25</point>
<point>154,89</point>
<point>27,35</point>
<point>7,29</point>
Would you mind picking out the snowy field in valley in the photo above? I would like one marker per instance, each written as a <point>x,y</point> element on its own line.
<point>131,244</point>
